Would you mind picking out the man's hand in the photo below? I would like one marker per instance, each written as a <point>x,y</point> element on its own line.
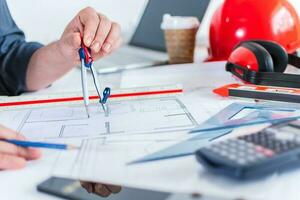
<point>100,189</point>
<point>99,34</point>
<point>12,156</point>
<point>54,60</point>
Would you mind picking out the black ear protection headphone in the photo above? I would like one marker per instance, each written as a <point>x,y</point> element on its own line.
<point>263,63</point>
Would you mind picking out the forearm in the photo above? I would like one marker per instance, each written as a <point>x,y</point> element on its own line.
<point>47,65</point>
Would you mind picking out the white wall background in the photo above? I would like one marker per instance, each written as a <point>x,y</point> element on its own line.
<point>44,20</point>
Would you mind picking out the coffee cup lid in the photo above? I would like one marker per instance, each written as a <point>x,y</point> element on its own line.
<point>179,22</point>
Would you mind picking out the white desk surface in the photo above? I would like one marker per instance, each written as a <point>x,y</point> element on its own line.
<point>198,80</point>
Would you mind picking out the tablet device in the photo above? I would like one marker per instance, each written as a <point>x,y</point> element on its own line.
<point>74,190</point>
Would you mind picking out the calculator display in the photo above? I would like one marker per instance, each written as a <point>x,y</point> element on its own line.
<point>288,132</point>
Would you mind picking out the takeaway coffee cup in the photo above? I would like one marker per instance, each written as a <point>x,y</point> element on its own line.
<point>180,37</point>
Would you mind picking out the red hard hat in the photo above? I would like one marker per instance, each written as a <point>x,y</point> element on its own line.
<point>240,20</point>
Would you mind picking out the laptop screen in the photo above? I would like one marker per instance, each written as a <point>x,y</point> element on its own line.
<point>148,33</point>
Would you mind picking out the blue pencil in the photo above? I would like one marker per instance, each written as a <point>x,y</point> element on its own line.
<point>40,144</point>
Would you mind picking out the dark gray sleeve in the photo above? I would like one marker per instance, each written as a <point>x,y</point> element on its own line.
<point>15,54</point>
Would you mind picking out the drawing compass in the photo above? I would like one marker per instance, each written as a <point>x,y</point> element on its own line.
<point>87,63</point>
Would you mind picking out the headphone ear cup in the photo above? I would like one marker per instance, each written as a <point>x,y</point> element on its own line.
<point>264,59</point>
<point>277,52</point>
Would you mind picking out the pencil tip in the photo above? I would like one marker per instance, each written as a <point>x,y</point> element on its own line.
<point>72,147</point>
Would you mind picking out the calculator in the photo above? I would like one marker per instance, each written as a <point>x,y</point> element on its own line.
<point>274,149</point>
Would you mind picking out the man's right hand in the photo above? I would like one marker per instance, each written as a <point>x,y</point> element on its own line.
<point>102,190</point>
<point>12,156</point>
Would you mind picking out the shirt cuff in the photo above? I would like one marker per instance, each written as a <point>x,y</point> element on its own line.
<point>17,70</point>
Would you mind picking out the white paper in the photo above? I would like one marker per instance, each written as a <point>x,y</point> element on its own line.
<point>134,116</point>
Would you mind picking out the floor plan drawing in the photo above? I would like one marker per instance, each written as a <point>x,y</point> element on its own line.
<point>103,151</point>
<point>132,116</point>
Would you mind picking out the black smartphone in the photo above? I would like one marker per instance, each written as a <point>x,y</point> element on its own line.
<point>74,190</point>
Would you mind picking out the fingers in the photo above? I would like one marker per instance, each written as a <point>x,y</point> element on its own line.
<point>101,54</point>
<point>99,32</point>
<point>102,190</point>
<point>11,162</point>
<point>111,42</point>
<point>96,188</point>
<point>114,189</point>
<point>6,133</point>
<point>13,150</point>
<point>34,154</point>
<point>87,186</point>
<point>112,38</point>
<point>117,44</point>
<point>103,30</point>
<point>90,20</point>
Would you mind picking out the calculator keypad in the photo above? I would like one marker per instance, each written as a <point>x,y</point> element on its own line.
<point>268,141</point>
<point>250,148</point>
<point>238,151</point>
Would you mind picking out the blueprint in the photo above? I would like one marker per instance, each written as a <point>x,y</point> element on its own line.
<point>84,163</point>
<point>132,129</point>
<point>156,115</point>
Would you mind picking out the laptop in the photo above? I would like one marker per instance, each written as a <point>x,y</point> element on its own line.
<point>147,46</point>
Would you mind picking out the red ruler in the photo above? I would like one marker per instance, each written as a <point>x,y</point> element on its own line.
<point>75,97</point>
